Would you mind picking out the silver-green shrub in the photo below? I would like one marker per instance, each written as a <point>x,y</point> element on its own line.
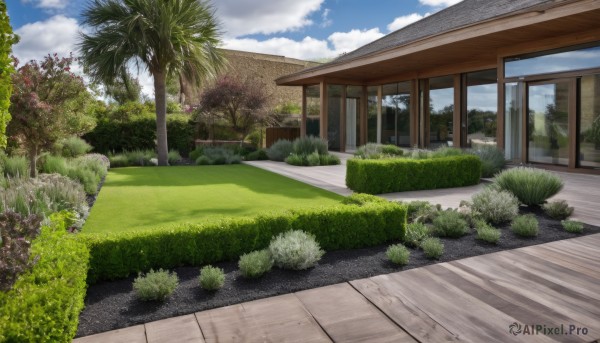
<point>492,159</point>
<point>211,278</point>
<point>256,263</point>
<point>572,226</point>
<point>415,234</point>
<point>486,232</point>
<point>432,247</point>
<point>296,250</point>
<point>155,285</point>
<point>378,151</point>
<point>313,159</point>
<point>558,209</point>
<point>450,224</point>
<point>398,254</point>
<point>525,226</point>
<point>531,186</point>
<point>495,206</point>
<point>15,167</point>
<point>280,150</point>
<point>309,144</point>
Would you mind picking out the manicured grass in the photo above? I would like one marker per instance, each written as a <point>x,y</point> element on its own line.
<point>145,197</point>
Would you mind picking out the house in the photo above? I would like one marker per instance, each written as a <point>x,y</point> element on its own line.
<point>521,75</point>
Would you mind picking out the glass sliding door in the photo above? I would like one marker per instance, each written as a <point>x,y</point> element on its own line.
<point>548,122</point>
<point>372,120</point>
<point>353,103</point>
<point>513,121</point>
<point>482,109</point>
<point>313,109</point>
<point>441,111</point>
<point>334,110</point>
<point>589,121</point>
<point>395,112</point>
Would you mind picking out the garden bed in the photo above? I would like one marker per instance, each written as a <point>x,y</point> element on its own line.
<point>113,305</point>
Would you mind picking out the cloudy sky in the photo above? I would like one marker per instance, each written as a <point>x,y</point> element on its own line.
<point>304,29</point>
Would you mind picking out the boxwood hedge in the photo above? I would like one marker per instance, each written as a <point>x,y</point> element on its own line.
<point>45,302</point>
<point>401,174</point>
<point>117,255</point>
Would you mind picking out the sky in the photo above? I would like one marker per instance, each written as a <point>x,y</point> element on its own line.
<point>303,29</point>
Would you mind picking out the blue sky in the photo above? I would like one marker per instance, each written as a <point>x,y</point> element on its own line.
<point>304,29</point>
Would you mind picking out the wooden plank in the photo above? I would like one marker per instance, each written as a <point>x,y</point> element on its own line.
<point>278,319</point>
<point>398,306</point>
<point>347,316</point>
<point>133,334</point>
<point>178,329</point>
<point>562,260</point>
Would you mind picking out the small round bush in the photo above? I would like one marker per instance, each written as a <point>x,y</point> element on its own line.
<point>203,161</point>
<point>531,186</point>
<point>432,247</point>
<point>329,160</point>
<point>294,160</point>
<point>256,263</point>
<point>211,278</point>
<point>525,226</point>
<point>558,209</point>
<point>495,206</point>
<point>155,285</point>
<point>313,159</point>
<point>572,226</point>
<point>296,250</point>
<point>309,144</point>
<point>450,224</point>
<point>398,254</point>
<point>487,233</point>
<point>280,150</point>
<point>258,155</point>
<point>415,234</point>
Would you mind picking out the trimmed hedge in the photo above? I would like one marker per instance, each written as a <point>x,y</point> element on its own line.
<point>400,174</point>
<point>117,255</point>
<point>45,302</point>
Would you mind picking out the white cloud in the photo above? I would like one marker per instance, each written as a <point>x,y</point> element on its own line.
<point>325,20</point>
<point>308,48</point>
<point>349,41</point>
<point>49,4</point>
<point>439,3</point>
<point>246,17</point>
<point>405,20</point>
<point>57,34</point>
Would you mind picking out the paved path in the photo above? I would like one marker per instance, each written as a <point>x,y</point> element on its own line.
<point>471,300</point>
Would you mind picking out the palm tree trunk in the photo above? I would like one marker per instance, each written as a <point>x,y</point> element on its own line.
<point>160,100</point>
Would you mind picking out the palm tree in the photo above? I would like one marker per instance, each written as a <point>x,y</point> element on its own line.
<point>167,37</point>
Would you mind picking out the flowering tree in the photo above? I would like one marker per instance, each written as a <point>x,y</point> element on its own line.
<point>48,103</point>
<point>7,39</point>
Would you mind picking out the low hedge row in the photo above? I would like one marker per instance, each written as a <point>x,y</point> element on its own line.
<point>401,174</point>
<point>45,302</point>
<point>340,227</point>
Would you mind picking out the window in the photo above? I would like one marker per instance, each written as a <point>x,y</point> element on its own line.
<point>441,111</point>
<point>313,109</point>
<point>482,108</point>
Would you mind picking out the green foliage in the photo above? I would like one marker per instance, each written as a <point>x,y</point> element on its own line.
<point>197,152</point>
<point>572,226</point>
<point>174,157</point>
<point>124,88</point>
<point>309,144</point>
<point>487,233</point>
<point>258,155</point>
<point>54,164</point>
<point>433,248</point>
<point>398,254</point>
<point>132,158</point>
<point>7,39</point>
<point>329,160</point>
<point>450,224</point>
<point>446,152</point>
<point>531,186</point>
<point>525,226</point>
<point>288,108</point>
<point>15,166</point>
<point>492,160</point>
<point>45,302</point>
<point>87,171</point>
<point>415,208</point>
<point>280,150</point>
<point>415,234</point>
<point>313,159</point>
<point>173,107</point>
<point>558,209</point>
<point>118,254</point>
<point>296,160</point>
<point>398,175</point>
<point>211,278</point>
<point>256,263</point>
<point>495,206</point>
<point>72,147</point>
<point>295,250</point>
<point>155,285</point>
<point>362,199</point>
<point>217,156</point>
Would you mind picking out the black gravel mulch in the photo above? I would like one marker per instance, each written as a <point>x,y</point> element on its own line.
<point>113,305</point>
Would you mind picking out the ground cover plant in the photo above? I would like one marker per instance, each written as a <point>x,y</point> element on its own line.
<point>211,278</point>
<point>558,209</point>
<point>525,226</point>
<point>256,263</point>
<point>398,254</point>
<point>296,250</point>
<point>495,206</point>
<point>155,285</point>
<point>572,226</point>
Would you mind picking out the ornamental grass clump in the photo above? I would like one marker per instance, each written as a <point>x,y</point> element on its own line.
<point>415,234</point>
<point>256,263</point>
<point>433,248</point>
<point>572,226</point>
<point>309,144</point>
<point>280,150</point>
<point>211,278</point>
<point>450,224</point>
<point>525,226</point>
<point>558,209</point>
<point>495,206</point>
<point>155,285</point>
<point>296,250</point>
<point>531,186</point>
<point>398,254</point>
<point>492,160</point>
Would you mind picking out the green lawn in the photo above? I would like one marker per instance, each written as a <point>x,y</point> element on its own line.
<point>140,198</point>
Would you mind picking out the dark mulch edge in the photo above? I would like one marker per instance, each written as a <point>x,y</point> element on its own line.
<point>113,305</point>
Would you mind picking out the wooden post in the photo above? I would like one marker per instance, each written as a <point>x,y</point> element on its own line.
<point>500,118</point>
<point>379,100</point>
<point>343,118</point>
<point>304,111</point>
<point>457,115</point>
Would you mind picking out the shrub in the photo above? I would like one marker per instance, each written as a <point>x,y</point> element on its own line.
<point>197,152</point>
<point>218,156</point>
<point>72,147</point>
<point>309,144</point>
<point>155,285</point>
<point>313,159</point>
<point>492,160</point>
<point>280,150</point>
<point>531,186</point>
<point>45,302</point>
<point>85,177</point>
<point>415,207</point>
<point>446,152</point>
<point>378,151</point>
<point>16,166</point>
<point>174,157</point>
<point>558,209</point>
<point>362,199</point>
<point>117,161</point>
<point>256,263</point>
<point>572,226</point>
<point>99,158</point>
<point>398,254</point>
<point>329,160</point>
<point>117,255</point>
<point>295,160</point>
<point>54,164</point>
<point>419,154</point>
<point>450,224</point>
<point>432,247</point>
<point>202,161</point>
<point>398,175</point>
<point>211,278</point>
<point>296,250</point>
<point>415,234</point>
<point>132,158</point>
<point>258,155</point>
<point>487,233</point>
<point>495,206</point>
<point>525,226</point>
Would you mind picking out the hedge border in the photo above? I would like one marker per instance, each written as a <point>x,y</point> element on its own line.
<point>117,255</point>
<point>402,174</point>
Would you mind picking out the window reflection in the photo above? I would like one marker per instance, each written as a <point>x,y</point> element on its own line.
<point>441,111</point>
<point>482,108</point>
<point>589,122</point>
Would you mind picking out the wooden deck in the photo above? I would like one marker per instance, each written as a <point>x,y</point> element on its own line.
<point>471,300</point>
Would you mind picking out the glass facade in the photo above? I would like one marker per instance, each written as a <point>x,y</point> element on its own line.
<point>353,104</point>
<point>334,111</point>
<point>513,121</point>
<point>313,108</point>
<point>482,108</point>
<point>395,114</point>
<point>589,121</point>
<point>441,111</point>
<point>372,117</point>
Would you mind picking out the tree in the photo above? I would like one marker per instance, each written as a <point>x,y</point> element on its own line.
<point>240,102</point>
<point>7,39</point>
<point>124,88</point>
<point>169,37</point>
<point>48,103</point>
